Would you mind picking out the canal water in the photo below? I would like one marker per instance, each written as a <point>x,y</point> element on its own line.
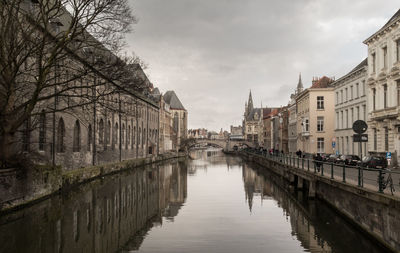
<point>209,203</point>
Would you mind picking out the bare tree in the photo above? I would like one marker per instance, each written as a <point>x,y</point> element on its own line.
<point>58,50</point>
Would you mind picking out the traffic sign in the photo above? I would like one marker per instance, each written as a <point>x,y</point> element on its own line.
<point>333,144</point>
<point>388,155</point>
<point>360,138</point>
<point>359,126</point>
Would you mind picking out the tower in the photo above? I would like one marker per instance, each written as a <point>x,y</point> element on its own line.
<point>250,103</point>
<point>299,85</point>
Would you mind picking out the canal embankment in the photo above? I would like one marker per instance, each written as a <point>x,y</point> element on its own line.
<point>21,188</point>
<point>372,212</point>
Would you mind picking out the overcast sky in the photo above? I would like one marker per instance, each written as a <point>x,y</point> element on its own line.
<point>212,52</point>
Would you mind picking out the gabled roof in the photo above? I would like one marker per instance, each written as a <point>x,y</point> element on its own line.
<point>392,20</point>
<point>172,99</point>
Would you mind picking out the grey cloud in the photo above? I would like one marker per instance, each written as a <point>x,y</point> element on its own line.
<point>213,51</point>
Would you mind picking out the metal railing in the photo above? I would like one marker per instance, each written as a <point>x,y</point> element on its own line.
<point>382,180</point>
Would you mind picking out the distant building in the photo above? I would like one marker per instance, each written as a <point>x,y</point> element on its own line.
<point>383,81</point>
<point>200,133</point>
<point>315,124</point>
<point>252,122</point>
<point>292,121</point>
<point>236,133</point>
<point>179,119</point>
<point>350,105</point>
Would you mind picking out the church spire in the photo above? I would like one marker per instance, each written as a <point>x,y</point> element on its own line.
<point>299,85</point>
<point>250,103</point>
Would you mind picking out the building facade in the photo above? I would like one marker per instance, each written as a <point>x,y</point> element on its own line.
<point>292,118</point>
<point>252,122</point>
<point>315,124</point>
<point>179,119</point>
<point>383,83</point>
<point>350,105</point>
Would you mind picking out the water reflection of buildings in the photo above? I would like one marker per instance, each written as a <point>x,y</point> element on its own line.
<point>205,158</point>
<point>256,186</point>
<point>103,216</point>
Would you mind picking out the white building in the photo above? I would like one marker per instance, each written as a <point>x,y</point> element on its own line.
<point>384,89</point>
<point>350,105</point>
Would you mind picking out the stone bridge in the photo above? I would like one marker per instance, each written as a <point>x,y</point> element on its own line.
<point>227,145</point>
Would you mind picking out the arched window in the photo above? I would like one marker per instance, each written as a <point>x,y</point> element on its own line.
<point>128,136</point>
<point>76,141</point>
<point>176,122</point>
<point>115,135</point>
<point>139,133</point>
<point>108,141</point>
<point>122,134</point>
<point>133,135</point>
<point>89,140</point>
<point>60,136</point>
<point>26,135</point>
<point>143,137</point>
<point>42,131</point>
<point>101,131</point>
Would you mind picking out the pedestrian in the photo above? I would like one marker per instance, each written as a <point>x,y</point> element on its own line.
<point>318,161</point>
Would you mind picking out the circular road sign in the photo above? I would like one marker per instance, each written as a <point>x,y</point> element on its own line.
<point>359,126</point>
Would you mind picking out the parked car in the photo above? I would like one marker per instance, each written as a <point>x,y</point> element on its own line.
<point>333,159</point>
<point>374,162</point>
<point>352,160</point>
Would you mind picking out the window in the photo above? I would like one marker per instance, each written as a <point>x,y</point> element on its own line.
<point>373,57</point>
<point>398,92</point>
<point>375,140</point>
<point>357,90</point>
<point>384,50</point>
<point>347,118</point>
<point>115,135</point>
<point>320,145</point>
<point>306,125</point>
<point>351,116</point>
<point>89,140</point>
<point>133,135</point>
<point>320,124</point>
<point>386,139</point>
<point>363,88</point>
<point>346,95</point>
<point>123,134</point>
<point>42,131</point>
<point>351,92</point>
<point>108,139</point>
<point>364,108</point>
<point>337,97</point>
<point>373,99</point>
<point>128,136</point>
<point>398,50</point>
<point>342,121</point>
<point>385,96</point>
<point>337,120</point>
<point>347,145</point>
<point>60,136</point>
<point>76,141</point>
<point>26,135</point>
<point>320,102</point>
<point>139,134</point>
<point>101,131</point>
<point>358,112</point>
<point>341,96</point>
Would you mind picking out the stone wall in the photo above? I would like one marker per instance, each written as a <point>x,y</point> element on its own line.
<point>19,188</point>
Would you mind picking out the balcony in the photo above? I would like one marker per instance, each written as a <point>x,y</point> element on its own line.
<point>305,134</point>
